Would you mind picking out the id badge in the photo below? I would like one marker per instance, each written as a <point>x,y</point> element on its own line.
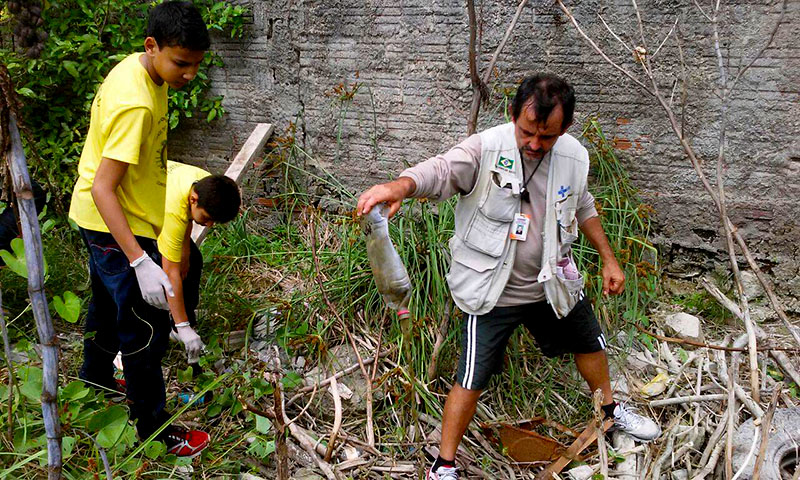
<point>519,229</point>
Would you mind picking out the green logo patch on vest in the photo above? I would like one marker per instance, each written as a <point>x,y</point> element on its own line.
<point>505,163</point>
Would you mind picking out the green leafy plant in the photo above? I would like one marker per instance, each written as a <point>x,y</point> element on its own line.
<point>15,259</point>
<point>68,307</point>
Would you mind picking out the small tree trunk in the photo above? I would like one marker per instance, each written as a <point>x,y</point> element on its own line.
<point>32,237</point>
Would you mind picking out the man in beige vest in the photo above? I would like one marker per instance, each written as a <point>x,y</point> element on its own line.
<point>523,198</point>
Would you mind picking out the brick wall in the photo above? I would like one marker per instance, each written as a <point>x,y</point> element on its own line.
<point>413,101</point>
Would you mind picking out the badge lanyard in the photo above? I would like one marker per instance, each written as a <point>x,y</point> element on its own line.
<point>525,196</point>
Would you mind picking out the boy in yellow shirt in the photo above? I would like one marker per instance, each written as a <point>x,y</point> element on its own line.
<point>193,194</point>
<point>118,203</point>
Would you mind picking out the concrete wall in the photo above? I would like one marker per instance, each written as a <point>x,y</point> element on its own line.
<point>410,59</point>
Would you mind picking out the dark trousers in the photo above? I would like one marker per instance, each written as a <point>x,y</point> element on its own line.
<point>120,320</point>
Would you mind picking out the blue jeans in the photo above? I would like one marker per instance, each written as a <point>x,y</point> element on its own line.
<point>122,321</point>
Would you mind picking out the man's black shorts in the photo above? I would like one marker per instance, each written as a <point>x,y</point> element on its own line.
<point>484,337</point>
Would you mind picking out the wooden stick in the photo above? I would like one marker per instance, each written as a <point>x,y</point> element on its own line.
<point>337,417</point>
<point>600,432</point>
<point>586,438</point>
<point>32,237</point>
<point>11,374</point>
<point>370,428</point>
<point>339,375</point>
<point>714,397</point>
<point>686,341</point>
<point>249,151</point>
<point>440,336</point>
<point>475,107</point>
<point>783,361</point>
<point>473,67</point>
<point>733,372</point>
<point>766,422</point>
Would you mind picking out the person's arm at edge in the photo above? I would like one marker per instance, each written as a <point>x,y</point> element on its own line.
<point>106,181</point>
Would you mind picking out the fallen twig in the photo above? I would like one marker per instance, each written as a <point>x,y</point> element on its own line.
<point>440,336</point>
<point>766,422</point>
<point>694,343</point>
<point>340,374</point>
<point>318,278</point>
<point>597,401</point>
<point>337,417</point>
<point>11,374</point>
<point>714,397</point>
<point>733,372</point>
<point>780,357</point>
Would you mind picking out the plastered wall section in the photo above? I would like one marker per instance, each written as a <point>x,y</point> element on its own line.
<point>373,86</point>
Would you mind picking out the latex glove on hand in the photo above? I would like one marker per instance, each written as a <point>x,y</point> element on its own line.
<point>153,282</point>
<point>191,341</point>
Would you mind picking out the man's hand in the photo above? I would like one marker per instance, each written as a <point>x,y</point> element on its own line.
<point>192,342</point>
<point>153,282</point>
<point>613,278</point>
<point>393,193</point>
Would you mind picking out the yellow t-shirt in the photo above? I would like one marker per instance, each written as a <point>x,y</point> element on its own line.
<point>177,217</point>
<point>128,124</point>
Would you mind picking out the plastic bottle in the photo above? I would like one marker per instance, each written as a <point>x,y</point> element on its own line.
<point>388,270</point>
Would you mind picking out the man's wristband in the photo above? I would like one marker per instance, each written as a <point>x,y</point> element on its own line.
<point>183,324</point>
<point>139,260</point>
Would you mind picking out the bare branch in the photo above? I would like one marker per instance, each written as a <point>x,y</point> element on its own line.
<point>600,51</point>
<point>488,72</point>
<point>665,38</point>
<point>702,11</point>
<point>639,21</point>
<point>614,34</point>
<point>762,50</point>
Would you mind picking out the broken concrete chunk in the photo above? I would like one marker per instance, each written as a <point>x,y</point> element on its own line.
<point>685,326</point>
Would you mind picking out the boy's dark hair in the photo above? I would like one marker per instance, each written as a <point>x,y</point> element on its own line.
<point>178,24</point>
<point>219,196</point>
<point>544,91</point>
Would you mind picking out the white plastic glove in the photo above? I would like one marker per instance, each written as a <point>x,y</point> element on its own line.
<point>152,282</point>
<point>191,341</point>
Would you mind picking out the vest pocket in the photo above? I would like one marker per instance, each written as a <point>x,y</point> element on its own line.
<point>567,229</point>
<point>488,231</point>
<point>486,235</point>
<point>499,203</point>
<point>470,274</point>
<point>564,293</point>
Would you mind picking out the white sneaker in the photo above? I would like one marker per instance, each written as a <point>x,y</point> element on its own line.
<point>442,473</point>
<point>639,427</point>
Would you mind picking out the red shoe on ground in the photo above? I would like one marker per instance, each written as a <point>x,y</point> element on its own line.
<point>183,442</point>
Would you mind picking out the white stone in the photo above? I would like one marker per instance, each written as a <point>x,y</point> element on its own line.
<point>752,287</point>
<point>681,474</point>
<point>584,472</point>
<point>685,326</point>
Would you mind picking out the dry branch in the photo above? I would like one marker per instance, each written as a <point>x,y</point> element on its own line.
<point>479,89</point>
<point>11,374</point>
<point>731,229</point>
<point>32,238</point>
<point>766,423</point>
